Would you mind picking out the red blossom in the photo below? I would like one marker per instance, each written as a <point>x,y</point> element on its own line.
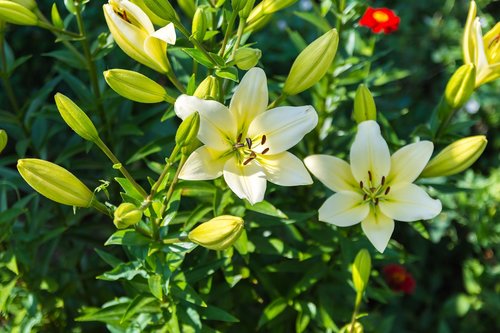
<point>380,20</point>
<point>398,278</point>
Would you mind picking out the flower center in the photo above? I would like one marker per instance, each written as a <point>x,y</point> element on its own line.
<point>380,16</point>
<point>246,148</point>
<point>373,193</point>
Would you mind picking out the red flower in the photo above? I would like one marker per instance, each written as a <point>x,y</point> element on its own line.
<point>380,19</point>
<point>398,278</point>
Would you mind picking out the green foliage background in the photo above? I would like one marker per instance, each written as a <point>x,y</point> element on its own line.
<point>293,274</point>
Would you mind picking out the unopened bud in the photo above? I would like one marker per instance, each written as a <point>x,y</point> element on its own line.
<point>364,105</point>
<point>76,118</point>
<point>219,233</point>
<point>163,9</point>
<point>126,214</point>
<point>188,7</point>
<point>152,16</point>
<point>199,25</point>
<point>55,182</point>
<point>3,140</point>
<point>272,6</point>
<point>460,86</point>
<point>30,4</point>
<point>358,328</point>
<point>208,88</point>
<point>15,13</point>
<point>247,58</point>
<point>247,8</point>
<point>237,5</point>
<point>361,269</point>
<point>312,63</point>
<point>456,157</point>
<point>188,130</point>
<point>135,86</point>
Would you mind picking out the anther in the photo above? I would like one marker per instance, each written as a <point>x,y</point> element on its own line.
<point>253,155</point>
<point>365,196</point>
<point>361,184</point>
<point>249,143</point>
<point>263,140</point>
<point>248,160</point>
<point>369,175</point>
<point>382,181</point>
<point>376,201</point>
<point>387,190</point>
<point>265,151</point>
<point>239,137</point>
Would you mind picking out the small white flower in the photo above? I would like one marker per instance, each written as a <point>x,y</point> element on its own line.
<point>376,188</point>
<point>245,143</point>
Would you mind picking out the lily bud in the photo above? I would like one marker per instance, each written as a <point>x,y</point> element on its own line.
<point>163,9</point>
<point>199,25</point>
<point>3,140</point>
<point>361,269</point>
<point>272,6</point>
<point>126,214</point>
<point>468,37</point>
<point>312,63</point>
<point>30,4</point>
<point>364,105</point>
<point>154,18</point>
<point>55,182</point>
<point>237,5</point>
<point>135,86</point>
<point>134,33</point>
<point>219,233</point>
<point>247,8</point>
<point>461,86</point>
<point>208,88</point>
<point>76,118</point>
<point>358,328</point>
<point>456,157</point>
<point>16,13</point>
<point>188,130</point>
<point>247,58</point>
<point>187,6</point>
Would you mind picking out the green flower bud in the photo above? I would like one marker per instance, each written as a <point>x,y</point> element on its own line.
<point>219,233</point>
<point>76,118</point>
<point>3,139</point>
<point>30,4</point>
<point>358,328</point>
<point>199,25</point>
<point>361,270</point>
<point>55,182</point>
<point>247,58</point>
<point>163,9</point>
<point>312,63</point>
<point>237,5</point>
<point>135,86</point>
<point>456,157</point>
<point>15,13</point>
<point>126,214</point>
<point>272,6</point>
<point>152,16</point>
<point>245,11</point>
<point>208,88</point>
<point>188,130</point>
<point>364,105</point>
<point>460,86</point>
<point>187,6</point>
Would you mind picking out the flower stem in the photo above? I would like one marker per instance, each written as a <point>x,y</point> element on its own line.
<point>173,184</point>
<point>195,42</point>
<point>239,34</point>
<point>229,31</point>
<point>5,77</point>
<point>277,101</point>
<point>355,312</point>
<point>45,25</point>
<point>121,168</point>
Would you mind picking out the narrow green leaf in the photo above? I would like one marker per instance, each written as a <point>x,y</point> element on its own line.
<point>272,311</point>
<point>155,286</point>
<point>127,237</point>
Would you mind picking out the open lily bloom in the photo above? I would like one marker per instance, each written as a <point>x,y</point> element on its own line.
<point>376,188</point>
<point>245,143</point>
<point>135,34</point>
<point>487,53</point>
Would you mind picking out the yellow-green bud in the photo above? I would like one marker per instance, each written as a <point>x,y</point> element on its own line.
<point>187,6</point>
<point>361,270</point>
<point>135,86</point>
<point>219,233</point>
<point>247,8</point>
<point>456,157</point>
<point>460,86</point>
<point>15,13</point>
<point>208,88</point>
<point>152,16</point>
<point>358,328</point>
<point>468,48</point>
<point>3,139</point>
<point>199,25</point>
<point>188,130</point>
<point>237,5</point>
<point>163,9</point>
<point>30,4</point>
<point>364,105</point>
<point>126,214</point>
<point>272,6</point>
<point>55,182</point>
<point>247,58</point>
<point>312,63</point>
<point>76,118</point>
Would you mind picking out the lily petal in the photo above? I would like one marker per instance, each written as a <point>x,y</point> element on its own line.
<point>166,34</point>
<point>344,209</point>
<point>408,162</point>
<point>285,169</point>
<point>332,171</point>
<point>480,56</point>
<point>250,97</point>
<point>135,15</point>
<point>217,126</point>
<point>408,202</point>
<point>283,127</point>
<point>369,152</point>
<point>203,164</point>
<point>378,229</point>
<point>246,181</point>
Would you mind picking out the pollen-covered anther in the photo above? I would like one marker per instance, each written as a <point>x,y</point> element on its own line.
<point>249,143</point>
<point>387,190</point>
<point>382,181</point>
<point>369,175</point>
<point>263,140</point>
<point>265,151</point>
<point>361,184</point>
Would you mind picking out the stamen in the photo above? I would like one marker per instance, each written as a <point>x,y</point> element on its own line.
<point>369,175</point>
<point>387,190</point>
<point>263,140</point>
<point>265,151</point>
<point>365,196</point>
<point>361,184</point>
<point>382,181</point>
<point>376,201</point>
<point>249,143</point>
<point>248,160</point>
<point>253,155</point>
<point>239,137</point>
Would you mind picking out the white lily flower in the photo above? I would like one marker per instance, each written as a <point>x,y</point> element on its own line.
<point>376,188</point>
<point>245,143</point>
<point>487,53</point>
<point>134,32</point>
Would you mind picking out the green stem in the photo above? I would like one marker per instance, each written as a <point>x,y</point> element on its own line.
<point>229,31</point>
<point>171,76</point>
<point>195,42</point>
<point>355,312</point>
<point>6,82</point>
<point>172,185</point>
<point>239,34</point>
<point>339,19</point>
<point>100,207</point>
<point>277,101</point>
<point>45,25</point>
<point>121,168</point>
